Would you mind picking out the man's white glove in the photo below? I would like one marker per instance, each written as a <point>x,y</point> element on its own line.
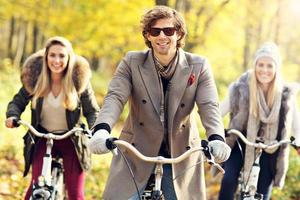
<point>220,150</point>
<point>97,143</point>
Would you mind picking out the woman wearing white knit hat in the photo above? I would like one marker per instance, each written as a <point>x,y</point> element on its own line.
<point>260,105</point>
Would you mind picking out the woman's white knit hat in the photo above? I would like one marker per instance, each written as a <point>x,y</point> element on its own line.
<point>268,49</point>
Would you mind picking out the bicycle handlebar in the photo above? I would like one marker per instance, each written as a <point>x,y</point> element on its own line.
<point>50,135</point>
<point>261,145</point>
<point>160,159</point>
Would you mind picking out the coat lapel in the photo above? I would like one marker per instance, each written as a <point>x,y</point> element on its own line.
<point>150,80</point>
<point>177,86</point>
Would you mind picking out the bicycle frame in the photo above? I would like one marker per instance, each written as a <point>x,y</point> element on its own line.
<point>44,187</point>
<point>160,161</point>
<point>248,189</point>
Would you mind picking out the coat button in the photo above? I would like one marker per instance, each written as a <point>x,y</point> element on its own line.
<point>188,148</point>
<point>144,101</point>
<point>141,124</point>
<point>182,105</point>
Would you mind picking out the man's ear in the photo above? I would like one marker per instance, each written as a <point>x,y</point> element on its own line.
<point>180,35</point>
<point>147,35</point>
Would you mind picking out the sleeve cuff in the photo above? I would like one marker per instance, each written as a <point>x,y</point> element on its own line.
<point>215,137</point>
<point>102,126</point>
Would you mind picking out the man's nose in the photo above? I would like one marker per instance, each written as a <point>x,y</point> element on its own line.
<point>162,34</point>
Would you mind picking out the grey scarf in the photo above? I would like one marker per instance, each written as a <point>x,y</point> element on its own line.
<point>269,118</point>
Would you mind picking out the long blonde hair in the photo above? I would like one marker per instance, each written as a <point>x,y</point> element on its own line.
<point>43,85</point>
<point>275,87</point>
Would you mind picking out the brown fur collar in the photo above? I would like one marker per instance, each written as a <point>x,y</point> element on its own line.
<point>33,67</point>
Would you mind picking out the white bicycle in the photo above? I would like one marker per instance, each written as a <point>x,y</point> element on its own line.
<point>247,187</point>
<point>50,184</point>
<point>155,192</point>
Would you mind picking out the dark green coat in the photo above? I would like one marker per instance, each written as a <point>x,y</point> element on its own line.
<point>87,106</point>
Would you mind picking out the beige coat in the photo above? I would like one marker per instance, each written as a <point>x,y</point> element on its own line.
<point>136,80</point>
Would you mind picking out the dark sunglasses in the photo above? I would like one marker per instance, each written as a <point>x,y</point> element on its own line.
<point>168,31</point>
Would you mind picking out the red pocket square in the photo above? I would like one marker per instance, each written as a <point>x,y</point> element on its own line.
<point>191,79</point>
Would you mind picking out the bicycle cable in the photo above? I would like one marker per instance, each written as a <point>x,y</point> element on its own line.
<point>131,172</point>
<point>243,159</point>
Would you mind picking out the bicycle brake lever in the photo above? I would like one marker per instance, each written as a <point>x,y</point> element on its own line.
<point>206,149</point>
<point>111,145</point>
<point>293,143</point>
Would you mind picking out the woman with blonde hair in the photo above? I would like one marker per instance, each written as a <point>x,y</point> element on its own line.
<point>260,105</point>
<point>57,83</point>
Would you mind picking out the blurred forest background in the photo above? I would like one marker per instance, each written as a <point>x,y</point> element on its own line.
<point>226,31</point>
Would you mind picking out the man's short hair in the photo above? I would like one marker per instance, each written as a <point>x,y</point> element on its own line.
<point>163,12</point>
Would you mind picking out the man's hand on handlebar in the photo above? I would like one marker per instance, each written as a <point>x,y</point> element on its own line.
<point>220,150</point>
<point>98,142</point>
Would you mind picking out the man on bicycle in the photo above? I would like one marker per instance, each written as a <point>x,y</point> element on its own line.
<point>162,84</point>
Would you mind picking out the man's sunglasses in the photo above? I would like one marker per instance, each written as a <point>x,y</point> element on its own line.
<point>168,31</point>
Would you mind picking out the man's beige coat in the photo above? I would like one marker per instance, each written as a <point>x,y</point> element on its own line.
<point>136,80</point>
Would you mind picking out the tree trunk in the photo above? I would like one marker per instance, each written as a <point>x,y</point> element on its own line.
<point>10,37</point>
<point>246,49</point>
<point>278,23</point>
<point>35,37</point>
<point>162,2</point>
<point>182,5</point>
<point>20,43</point>
<point>95,62</point>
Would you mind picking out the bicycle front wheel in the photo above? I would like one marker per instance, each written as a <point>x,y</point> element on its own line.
<point>58,182</point>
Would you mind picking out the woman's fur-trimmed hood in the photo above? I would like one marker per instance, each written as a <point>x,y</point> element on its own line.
<point>32,68</point>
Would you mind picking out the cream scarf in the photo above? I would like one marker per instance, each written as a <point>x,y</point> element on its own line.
<point>269,118</point>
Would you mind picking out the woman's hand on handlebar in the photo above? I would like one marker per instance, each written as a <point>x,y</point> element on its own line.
<point>11,122</point>
<point>297,144</point>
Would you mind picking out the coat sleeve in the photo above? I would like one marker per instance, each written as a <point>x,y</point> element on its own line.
<point>207,102</point>
<point>119,90</point>
<point>18,104</point>
<point>89,104</point>
<point>295,121</point>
